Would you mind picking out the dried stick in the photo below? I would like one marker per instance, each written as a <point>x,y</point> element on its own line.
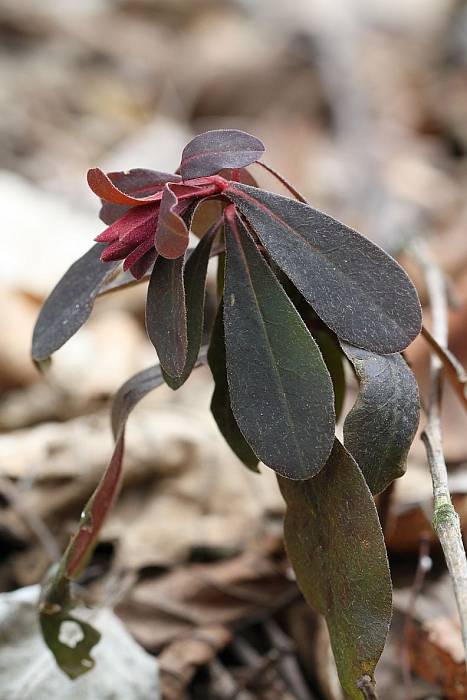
<point>445,519</point>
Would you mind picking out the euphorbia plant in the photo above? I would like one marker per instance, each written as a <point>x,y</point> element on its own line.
<point>298,294</point>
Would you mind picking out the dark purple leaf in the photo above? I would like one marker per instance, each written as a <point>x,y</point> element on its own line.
<point>358,290</point>
<point>70,303</point>
<point>280,390</point>
<point>211,152</point>
<point>166,321</point>
<point>337,551</point>
<point>220,402</point>
<point>194,275</point>
<point>381,426</point>
<point>172,233</point>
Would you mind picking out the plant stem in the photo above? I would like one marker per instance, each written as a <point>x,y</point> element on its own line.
<point>445,519</point>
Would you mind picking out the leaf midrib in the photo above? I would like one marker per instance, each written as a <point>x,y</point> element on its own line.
<point>290,421</point>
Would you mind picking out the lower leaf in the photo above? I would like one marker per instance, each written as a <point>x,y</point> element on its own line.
<point>336,547</point>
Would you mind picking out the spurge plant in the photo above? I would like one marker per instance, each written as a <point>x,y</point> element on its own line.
<point>298,295</point>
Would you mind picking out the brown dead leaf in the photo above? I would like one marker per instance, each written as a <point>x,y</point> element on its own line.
<point>160,609</point>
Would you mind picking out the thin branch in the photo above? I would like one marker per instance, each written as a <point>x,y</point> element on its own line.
<point>445,519</point>
<point>454,369</point>
<point>294,192</point>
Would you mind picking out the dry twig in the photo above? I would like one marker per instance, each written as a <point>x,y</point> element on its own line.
<point>445,519</point>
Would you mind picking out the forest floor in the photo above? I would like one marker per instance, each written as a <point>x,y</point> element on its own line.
<point>366,113</point>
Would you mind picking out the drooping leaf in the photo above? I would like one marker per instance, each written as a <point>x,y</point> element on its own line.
<point>336,547</point>
<point>194,276</point>
<point>280,390</point>
<point>57,601</point>
<point>333,358</point>
<point>220,402</point>
<point>358,290</point>
<point>209,153</point>
<point>54,611</point>
<point>138,182</point>
<point>28,670</point>
<point>166,321</point>
<point>70,303</point>
<point>381,426</point>
<point>172,233</point>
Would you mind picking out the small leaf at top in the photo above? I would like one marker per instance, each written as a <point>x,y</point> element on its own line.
<point>138,182</point>
<point>194,276</point>
<point>220,402</point>
<point>166,322</point>
<point>336,547</point>
<point>280,390</point>
<point>172,235</point>
<point>70,303</point>
<point>381,426</point>
<point>358,290</point>
<point>211,152</point>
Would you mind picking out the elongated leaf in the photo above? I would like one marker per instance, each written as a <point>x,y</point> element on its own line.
<point>166,322</point>
<point>195,284</point>
<point>381,426</point>
<point>209,153</point>
<point>172,233</point>
<point>138,182</point>
<point>358,290</point>
<point>336,547</point>
<point>70,303</point>
<point>220,402</point>
<point>280,389</point>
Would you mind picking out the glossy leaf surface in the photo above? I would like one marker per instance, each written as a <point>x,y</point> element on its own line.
<point>209,153</point>
<point>358,290</point>
<point>381,426</point>
<point>166,321</point>
<point>280,390</point>
<point>336,547</point>
<point>70,303</point>
<point>220,402</point>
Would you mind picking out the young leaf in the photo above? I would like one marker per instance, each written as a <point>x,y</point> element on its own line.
<point>280,390</point>
<point>209,153</point>
<point>70,303</point>
<point>138,182</point>
<point>336,548</point>
<point>381,426</point>
<point>358,290</point>
<point>195,284</point>
<point>166,322</point>
<point>220,402</point>
<point>172,233</point>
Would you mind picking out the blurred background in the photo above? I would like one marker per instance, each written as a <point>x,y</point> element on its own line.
<point>363,106</point>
